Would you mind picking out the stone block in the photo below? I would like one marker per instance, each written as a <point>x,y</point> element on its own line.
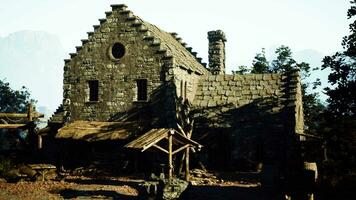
<point>267,77</point>
<point>204,103</point>
<point>211,103</point>
<point>245,92</point>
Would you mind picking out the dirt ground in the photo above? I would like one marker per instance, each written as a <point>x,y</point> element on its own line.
<point>207,186</point>
<point>71,188</point>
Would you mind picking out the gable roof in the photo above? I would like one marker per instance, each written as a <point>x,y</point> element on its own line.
<point>154,136</point>
<point>168,43</point>
<point>183,57</point>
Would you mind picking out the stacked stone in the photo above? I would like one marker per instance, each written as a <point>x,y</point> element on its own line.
<point>258,110</point>
<point>92,62</point>
<point>190,49</point>
<point>217,41</point>
<point>237,90</point>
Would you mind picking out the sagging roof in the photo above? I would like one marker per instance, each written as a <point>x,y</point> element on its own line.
<point>154,136</point>
<point>92,131</point>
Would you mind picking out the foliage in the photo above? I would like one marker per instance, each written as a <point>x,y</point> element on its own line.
<point>260,63</point>
<point>285,63</point>
<point>340,125</point>
<point>242,69</point>
<point>13,100</point>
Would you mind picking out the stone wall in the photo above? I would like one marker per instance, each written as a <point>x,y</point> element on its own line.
<point>258,111</point>
<point>186,83</point>
<point>117,77</point>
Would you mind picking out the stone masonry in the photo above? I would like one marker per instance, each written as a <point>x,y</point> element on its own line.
<point>217,41</point>
<point>128,65</point>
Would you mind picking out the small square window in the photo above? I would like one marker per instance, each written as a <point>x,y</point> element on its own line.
<point>93,90</point>
<point>141,85</point>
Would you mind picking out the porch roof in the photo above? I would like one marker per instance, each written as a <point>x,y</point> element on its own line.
<point>92,131</point>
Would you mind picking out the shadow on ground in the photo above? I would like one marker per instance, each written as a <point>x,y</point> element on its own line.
<point>95,194</point>
<point>229,193</point>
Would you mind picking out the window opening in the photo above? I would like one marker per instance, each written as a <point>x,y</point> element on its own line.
<point>93,90</point>
<point>141,89</point>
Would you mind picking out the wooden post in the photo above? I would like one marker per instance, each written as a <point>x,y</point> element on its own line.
<point>170,163</point>
<point>30,112</point>
<point>187,164</point>
<point>39,141</point>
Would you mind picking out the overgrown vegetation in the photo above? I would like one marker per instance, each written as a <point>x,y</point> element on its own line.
<point>14,100</point>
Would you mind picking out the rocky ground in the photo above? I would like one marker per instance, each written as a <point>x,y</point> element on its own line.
<point>71,188</point>
<point>204,185</point>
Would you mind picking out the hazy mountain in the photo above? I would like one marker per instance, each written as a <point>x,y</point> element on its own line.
<point>34,59</point>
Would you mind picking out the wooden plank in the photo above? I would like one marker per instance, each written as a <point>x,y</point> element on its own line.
<point>160,148</point>
<point>12,126</point>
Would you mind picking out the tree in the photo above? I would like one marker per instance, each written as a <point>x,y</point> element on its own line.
<point>342,98</point>
<point>260,64</point>
<point>14,100</point>
<point>242,69</point>
<point>340,126</point>
<point>285,63</point>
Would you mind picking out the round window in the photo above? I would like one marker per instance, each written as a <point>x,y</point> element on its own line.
<point>118,50</point>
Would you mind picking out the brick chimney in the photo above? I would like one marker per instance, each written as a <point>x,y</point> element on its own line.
<point>217,41</point>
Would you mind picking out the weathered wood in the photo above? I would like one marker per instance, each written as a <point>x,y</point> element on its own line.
<point>181,163</point>
<point>309,135</point>
<point>39,141</point>
<point>12,126</point>
<point>20,115</point>
<point>180,149</point>
<point>160,148</point>
<point>170,163</point>
<point>29,112</point>
<point>187,175</point>
<point>181,130</point>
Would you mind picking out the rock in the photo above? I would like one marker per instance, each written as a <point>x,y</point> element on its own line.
<point>173,189</point>
<point>27,171</point>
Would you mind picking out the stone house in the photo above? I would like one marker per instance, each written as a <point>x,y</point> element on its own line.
<point>131,73</point>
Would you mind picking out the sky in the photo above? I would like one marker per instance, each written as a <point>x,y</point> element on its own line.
<point>249,25</point>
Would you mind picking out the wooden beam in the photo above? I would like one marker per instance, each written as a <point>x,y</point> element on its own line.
<point>187,175</point>
<point>155,141</point>
<point>181,130</point>
<point>170,160</point>
<point>160,148</point>
<point>180,149</point>
<point>309,135</point>
<point>29,112</point>
<point>12,126</point>
<point>20,115</point>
